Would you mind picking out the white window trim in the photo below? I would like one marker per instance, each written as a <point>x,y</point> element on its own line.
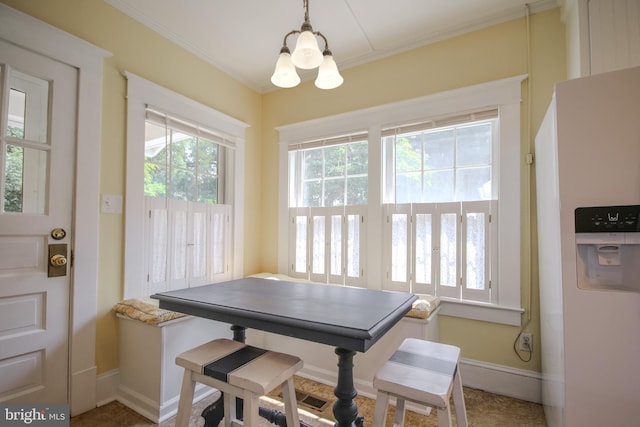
<point>506,95</point>
<point>140,93</point>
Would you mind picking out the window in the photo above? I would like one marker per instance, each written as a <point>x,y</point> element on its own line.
<point>187,225</point>
<point>329,185</point>
<point>184,192</point>
<point>442,207</point>
<point>182,160</point>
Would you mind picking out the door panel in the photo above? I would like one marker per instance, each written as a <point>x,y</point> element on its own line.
<point>37,154</point>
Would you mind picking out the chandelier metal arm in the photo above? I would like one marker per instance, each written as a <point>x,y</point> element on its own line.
<point>316,33</point>
<point>326,43</point>
<point>284,41</point>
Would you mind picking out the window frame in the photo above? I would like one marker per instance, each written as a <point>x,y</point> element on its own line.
<point>323,216</point>
<point>504,94</point>
<point>142,93</point>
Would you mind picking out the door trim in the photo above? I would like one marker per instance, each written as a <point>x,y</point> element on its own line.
<point>38,36</point>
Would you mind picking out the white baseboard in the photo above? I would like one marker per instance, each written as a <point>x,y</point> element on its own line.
<point>83,388</point>
<point>107,387</point>
<point>110,389</point>
<point>497,379</point>
<point>502,380</point>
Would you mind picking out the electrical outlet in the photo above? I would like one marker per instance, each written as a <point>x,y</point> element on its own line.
<point>526,342</point>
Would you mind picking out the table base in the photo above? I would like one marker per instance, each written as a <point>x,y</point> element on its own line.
<point>345,409</point>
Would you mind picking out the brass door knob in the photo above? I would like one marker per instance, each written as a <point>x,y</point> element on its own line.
<point>58,260</point>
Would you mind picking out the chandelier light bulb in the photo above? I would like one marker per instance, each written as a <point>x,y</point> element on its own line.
<point>285,75</point>
<point>328,75</point>
<point>307,54</point>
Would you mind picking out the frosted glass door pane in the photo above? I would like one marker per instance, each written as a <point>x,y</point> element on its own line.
<point>448,250</point>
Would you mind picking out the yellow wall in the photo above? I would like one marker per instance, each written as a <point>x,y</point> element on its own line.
<point>489,54</point>
<point>485,55</point>
<point>149,55</point>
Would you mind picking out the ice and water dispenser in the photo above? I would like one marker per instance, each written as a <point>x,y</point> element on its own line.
<point>608,247</point>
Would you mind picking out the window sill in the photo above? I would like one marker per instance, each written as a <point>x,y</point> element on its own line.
<point>479,311</point>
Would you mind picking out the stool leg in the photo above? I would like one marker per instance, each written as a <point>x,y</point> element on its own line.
<point>399,418</point>
<point>251,408</point>
<point>444,416</point>
<point>380,414</point>
<point>290,403</point>
<point>186,400</point>
<point>458,400</point>
<point>229,409</point>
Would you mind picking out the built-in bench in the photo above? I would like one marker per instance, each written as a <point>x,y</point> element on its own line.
<point>150,339</point>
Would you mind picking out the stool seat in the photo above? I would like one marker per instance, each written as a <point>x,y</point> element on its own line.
<point>239,370</point>
<point>424,372</point>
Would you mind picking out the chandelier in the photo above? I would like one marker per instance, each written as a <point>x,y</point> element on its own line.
<point>306,56</point>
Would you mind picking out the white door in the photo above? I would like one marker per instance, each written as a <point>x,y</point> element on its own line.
<point>37,154</point>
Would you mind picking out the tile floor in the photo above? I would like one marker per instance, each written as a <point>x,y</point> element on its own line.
<point>483,410</point>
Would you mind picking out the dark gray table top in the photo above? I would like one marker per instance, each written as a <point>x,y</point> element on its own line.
<point>345,317</point>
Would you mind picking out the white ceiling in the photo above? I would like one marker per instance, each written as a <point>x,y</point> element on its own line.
<point>243,37</point>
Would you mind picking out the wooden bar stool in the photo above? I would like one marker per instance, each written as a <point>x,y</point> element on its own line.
<point>424,372</point>
<point>238,370</point>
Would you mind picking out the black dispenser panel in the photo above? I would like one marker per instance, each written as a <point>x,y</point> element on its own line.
<point>608,219</point>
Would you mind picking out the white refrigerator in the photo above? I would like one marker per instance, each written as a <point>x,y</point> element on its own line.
<point>587,154</point>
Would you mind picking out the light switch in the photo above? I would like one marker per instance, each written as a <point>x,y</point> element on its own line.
<point>111,203</point>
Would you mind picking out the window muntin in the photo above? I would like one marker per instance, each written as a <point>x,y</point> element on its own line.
<point>334,175</point>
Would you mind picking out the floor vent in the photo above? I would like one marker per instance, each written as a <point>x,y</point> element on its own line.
<point>311,401</point>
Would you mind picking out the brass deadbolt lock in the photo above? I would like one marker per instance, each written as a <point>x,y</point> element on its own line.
<point>58,233</point>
